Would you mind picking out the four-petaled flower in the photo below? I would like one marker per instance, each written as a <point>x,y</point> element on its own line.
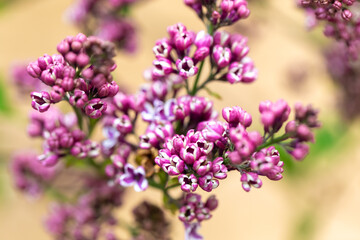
<point>134,177</point>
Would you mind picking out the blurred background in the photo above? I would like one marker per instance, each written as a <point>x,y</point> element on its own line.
<point>317,198</point>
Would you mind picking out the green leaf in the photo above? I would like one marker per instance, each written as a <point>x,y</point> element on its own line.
<point>4,101</point>
<point>173,182</point>
<point>213,94</point>
<point>169,205</point>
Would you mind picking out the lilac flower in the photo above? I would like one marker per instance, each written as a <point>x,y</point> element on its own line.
<point>162,67</point>
<point>29,175</point>
<point>95,108</point>
<point>186,67</point>
<point>221,56</point>
<point>273,115</point>
<point>40,101</point>
<point>249,180</point>
<point>188,183</point>
<point>134,177</point>
<point>243,71</point>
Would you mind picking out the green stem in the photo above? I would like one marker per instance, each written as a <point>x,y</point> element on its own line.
<point>273,141</point>
<point>194,90</point>
<point>92,124</point>
<point>210,29</point>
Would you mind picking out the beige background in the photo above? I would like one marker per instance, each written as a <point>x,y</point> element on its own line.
<point>329,193</point>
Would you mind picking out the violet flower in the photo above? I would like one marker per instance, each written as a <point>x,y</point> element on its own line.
<point>134,177</point>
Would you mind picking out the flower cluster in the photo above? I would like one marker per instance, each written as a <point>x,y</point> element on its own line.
<point>151,221</point>
<point>107,19</point>
<point>193,211</point>
<point>92,217</point>
<point>81,75</point>
<point>220,13</point>
<point>341,24</point>
<point>61,137</point>
<point>29,175</point>
<point>184,145</point>
<point>346,76</point>
<point>24,83</point>
<point>227,51</point>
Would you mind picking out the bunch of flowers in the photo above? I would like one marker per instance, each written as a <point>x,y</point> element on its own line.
<point>184,146</point>
<point>342,23</point>
<point>107,19</point>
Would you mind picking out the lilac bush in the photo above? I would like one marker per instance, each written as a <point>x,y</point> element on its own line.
<point>185,146</point>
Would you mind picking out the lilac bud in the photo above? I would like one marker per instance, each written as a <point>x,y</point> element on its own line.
<point>95,108</point>
<point>76,46</point>
<point>48,159</point>
<point>190,153</point>
<point>221,38</point>
<point>159,89</point>
<point>243,71</point>
<point>148,140</point>
<point>186,67</point>
<point>188,183</point>
<point>212,203</point>
<point>203,39</point>
<point>122,102</point>
<point>113,89</point>
<point>66,140</point>
<point>44,61</point>
<point>337,5</point>
<point>98,81</point>
<point>239,48</point>
<point>187,213</point>
<point>300,151</point>
<point>201,53</point>
<point>215,16</point>
<point>34,70</point>
<point>63,47</point>
<point>40,101</point>
<point>78,99</point>
<point>35,129</point>
<point>202,214</point>
<point>162,48</point>
<point>123,124</point>
<point>71,57</point>
<point>231,115</point>
<point>78,135</point>
<point>202,166</point>
<point>250,179</point>
<point>88,73</point>
<point>48,77</point>
<point>162,67</point>
<point>304,133</point>
<point>79,150</point>
<point>103,91</point>
<point>221,56</point>
<point>346,14</point>
<point>175,29</point>
<point>243,11</point>
<point>67,84</point>
<point>82,60</point>
<point>183,40</point>
<point>227,6</point>
<point>56,94</point>
<point>291,127</point>
<point>207,183</point>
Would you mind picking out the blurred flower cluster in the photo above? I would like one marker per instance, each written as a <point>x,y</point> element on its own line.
<point>107,19</point>
<point>342,24</point>
<point>185,147</point>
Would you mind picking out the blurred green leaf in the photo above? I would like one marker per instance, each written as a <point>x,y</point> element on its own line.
<point>4,101</point>
<point>213,94</point>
